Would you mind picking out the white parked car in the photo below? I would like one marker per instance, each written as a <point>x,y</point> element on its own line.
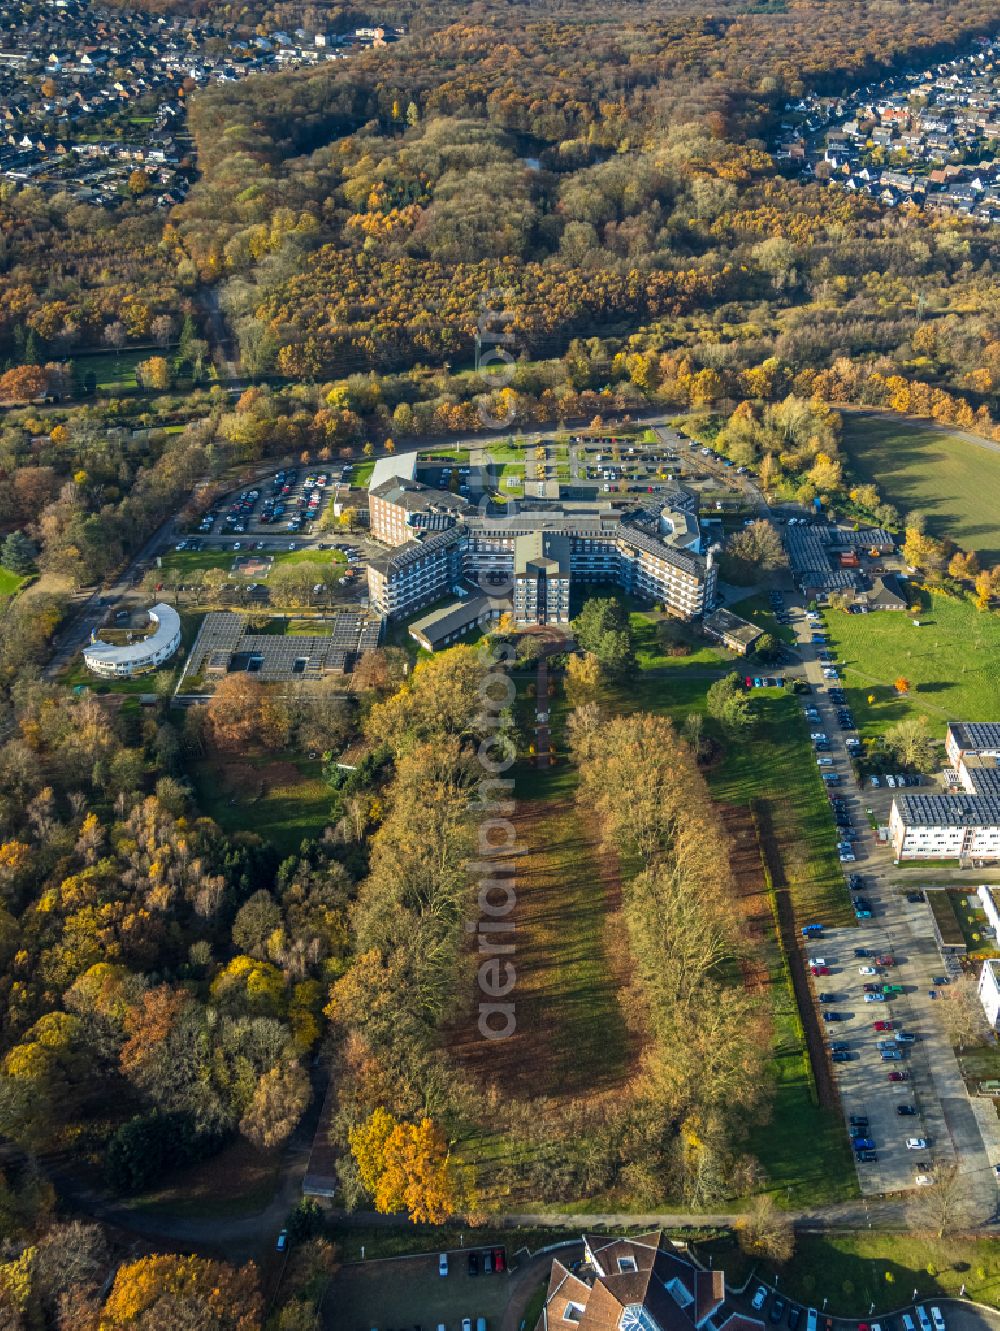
<point>760,1298</point>
<point>937,1319</point>
<point>916,1144</point>
<point>818,961</point>
<point>443,1264</point>
<point>923,1180</point>
<point>867,970</point>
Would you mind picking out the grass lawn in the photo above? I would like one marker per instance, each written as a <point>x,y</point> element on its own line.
<point>9,582</point>
<point>855,1270</point>
<point>920,466</point>
<point>281,797</point>
<point>362,474</point>
<point>650,656</point>
<point>952,662</point>
<point>112,371</point>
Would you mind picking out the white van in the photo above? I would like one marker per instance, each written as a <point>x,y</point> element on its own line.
<point>923,1319</point>
<point>907,1322</point>
<point>812,1317</point>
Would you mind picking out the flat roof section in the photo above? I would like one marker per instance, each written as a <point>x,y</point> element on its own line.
<point>168,626</point>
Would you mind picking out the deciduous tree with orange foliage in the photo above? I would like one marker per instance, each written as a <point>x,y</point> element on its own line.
<point>167,1293</point>
<point>243,711</point>
<point>407,1166</point>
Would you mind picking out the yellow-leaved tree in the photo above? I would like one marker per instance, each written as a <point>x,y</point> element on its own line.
<point>407,1166</point>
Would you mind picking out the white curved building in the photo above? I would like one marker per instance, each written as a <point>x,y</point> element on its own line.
<point>137,658</point>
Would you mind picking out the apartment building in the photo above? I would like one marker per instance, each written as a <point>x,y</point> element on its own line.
<point>945,827</point>
<point>399,510</point>
<point>972,737</point>
<point>405,579</point>
<point>964,825</point>
<point>542,578</point>
<point>989,991</point>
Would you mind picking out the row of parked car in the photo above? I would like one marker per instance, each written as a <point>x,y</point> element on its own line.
<point>926,1319</point>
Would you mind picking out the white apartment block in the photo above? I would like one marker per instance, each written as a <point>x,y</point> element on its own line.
<point>989,992</point>
<point>962,826</point>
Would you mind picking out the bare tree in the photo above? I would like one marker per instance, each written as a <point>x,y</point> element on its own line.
<point>942,1207</point>
<point>964,1019</point>
<point>766,1232</point>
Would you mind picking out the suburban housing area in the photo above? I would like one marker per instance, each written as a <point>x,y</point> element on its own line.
<point>499,665</point>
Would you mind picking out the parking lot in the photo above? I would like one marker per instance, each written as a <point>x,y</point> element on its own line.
<point>768,1304</point>
<point>900,1081</point>
<point>392,1295</point>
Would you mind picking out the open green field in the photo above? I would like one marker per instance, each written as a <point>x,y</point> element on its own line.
<point>281,797</point>
<point>856,1270</point>
<point>952,662</point>
<point>921,466</point>
<point>187,562</point>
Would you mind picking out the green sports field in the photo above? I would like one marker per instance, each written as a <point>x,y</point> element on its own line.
<point>917,465</point>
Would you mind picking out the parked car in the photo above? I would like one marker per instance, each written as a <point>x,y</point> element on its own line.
<point>282,1242</point>
<point>916,1143</point>
<point>777,1311</point>
<point>899,1076</point>
<point>759,1298</point>
<point>473,1264</point>
<point>443,1264</point>
<point>905,1111</point>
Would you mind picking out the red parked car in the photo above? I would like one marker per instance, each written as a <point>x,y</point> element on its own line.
<point>820,970</point>
<point>499,1260</point>
<point>899,1076</point>
<point>885,961</point>
<point>882,1026</point>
